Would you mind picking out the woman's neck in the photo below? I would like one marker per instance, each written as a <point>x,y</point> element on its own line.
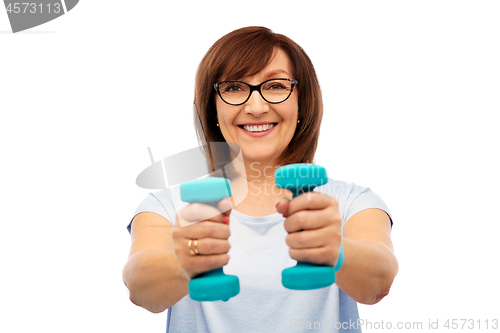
<point>254,190</point>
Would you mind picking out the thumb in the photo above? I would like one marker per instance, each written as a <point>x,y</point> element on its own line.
<point>225,206</point>
<point>282,205</point>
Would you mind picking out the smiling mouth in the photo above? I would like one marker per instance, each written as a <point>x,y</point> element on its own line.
<point>257,128</point>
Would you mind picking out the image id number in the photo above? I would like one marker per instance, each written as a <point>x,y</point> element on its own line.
<point>33,8</point>
<point>454,324</point>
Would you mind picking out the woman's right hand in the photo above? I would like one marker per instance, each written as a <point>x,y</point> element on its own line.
<point>210,227</point>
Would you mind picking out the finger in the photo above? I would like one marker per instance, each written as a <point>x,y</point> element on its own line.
<point>197,212</point>
<point>319,255</point>
<point>225,206</point>
<point>307,239</point>
<point>311,201</point>
<point>207,246</point>
<point>205,229</point>
<point>195,265</point>
<point>312,219</point>
<point>311,255</point>
<point>282,205</point>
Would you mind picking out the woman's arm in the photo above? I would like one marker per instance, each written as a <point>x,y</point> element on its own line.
<point>370,265</point>
<point>313,223</point>
<point>152,273</point>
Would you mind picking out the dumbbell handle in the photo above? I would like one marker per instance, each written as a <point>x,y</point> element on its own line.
<point>212,285</point>
<point>303,178</point>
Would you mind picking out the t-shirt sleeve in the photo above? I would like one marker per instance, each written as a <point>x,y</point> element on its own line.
<point>359,198</point>
<point>353,199</point>
<point>159,203</point>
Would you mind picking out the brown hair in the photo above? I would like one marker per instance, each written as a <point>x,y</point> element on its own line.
<point>245,52</point>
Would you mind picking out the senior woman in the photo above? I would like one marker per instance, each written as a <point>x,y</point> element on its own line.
<point>259,90</point>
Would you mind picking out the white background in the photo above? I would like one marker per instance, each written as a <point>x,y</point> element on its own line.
<point>411,97</point>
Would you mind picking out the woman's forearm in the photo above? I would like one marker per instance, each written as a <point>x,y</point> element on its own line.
<point>155,279</point>
<point>368,271</point>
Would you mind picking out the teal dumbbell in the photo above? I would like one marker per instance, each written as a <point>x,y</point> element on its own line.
<point>213,285</point>
<point>302,178</point>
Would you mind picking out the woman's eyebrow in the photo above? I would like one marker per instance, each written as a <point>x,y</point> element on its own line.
<point>272,74</point>
<point>269,75</point>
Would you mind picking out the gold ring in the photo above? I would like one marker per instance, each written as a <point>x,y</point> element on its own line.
<point>193,251</point>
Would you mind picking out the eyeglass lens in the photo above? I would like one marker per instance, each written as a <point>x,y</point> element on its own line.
<point>273,91</point>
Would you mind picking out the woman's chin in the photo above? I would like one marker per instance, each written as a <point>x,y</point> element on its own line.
<point>258,157</point>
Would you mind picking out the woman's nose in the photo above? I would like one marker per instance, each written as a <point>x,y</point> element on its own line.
<point>256,105</point>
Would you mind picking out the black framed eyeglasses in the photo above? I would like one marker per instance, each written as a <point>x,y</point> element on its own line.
<point>273,91</point>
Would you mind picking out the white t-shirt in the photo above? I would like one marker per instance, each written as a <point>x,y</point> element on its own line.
<point>258,255</point>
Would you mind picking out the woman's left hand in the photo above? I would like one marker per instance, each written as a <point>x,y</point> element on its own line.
<point>313,224</point>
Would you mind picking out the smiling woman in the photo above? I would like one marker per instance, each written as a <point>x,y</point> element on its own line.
<point>256,112</point>
<point>255,54</point>
<point>258,90</point>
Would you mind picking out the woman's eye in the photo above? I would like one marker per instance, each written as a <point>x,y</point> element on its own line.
<point>276,86</point>
<point>232,89</point>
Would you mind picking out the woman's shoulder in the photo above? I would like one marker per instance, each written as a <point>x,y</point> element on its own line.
<point>337,188</point>
<point>163,202</point>
<point>352,198</point>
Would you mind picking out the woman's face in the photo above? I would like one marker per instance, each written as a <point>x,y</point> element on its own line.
<point>261,146</point>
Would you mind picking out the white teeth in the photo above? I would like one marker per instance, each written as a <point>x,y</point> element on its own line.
<point>260,128</point>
